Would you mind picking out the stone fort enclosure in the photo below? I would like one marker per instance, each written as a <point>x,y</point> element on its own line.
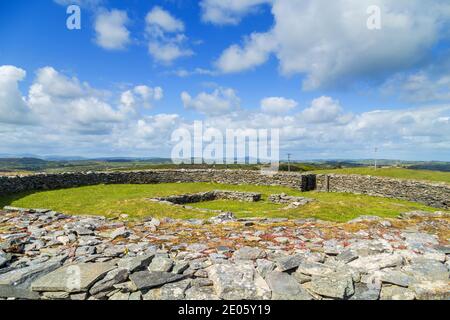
<point>225,257</point>
<point>433,194</point>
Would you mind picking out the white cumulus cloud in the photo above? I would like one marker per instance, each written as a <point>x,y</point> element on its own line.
<point>161,18</point>
<point>277,105</point>
<point>13,107</point>
<point>341,48</point>
<point>166,36</point>
<point>220,101</point>
<point>141,95</point>
<point>322,110</point>
<point>111,30</point>
<point>223,12</point>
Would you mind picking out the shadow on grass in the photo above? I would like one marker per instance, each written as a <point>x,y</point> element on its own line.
<point>7,200</point>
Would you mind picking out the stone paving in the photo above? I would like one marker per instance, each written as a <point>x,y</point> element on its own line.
<point>48,255</point>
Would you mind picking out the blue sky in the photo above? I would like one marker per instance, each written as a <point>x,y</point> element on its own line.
<point>335,88</point>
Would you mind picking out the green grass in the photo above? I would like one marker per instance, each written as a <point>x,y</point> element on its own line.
<point>113,200</point>
<point>400,173</point>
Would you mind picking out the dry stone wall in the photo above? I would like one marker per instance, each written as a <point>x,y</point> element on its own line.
<point>433,194</point>
<point>10,185</point>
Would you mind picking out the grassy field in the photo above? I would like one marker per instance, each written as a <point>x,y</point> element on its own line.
<point>400,173</point>
<point>113,200</point>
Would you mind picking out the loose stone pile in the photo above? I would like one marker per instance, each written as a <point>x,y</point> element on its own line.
<point>48,255</point>
<point>210,196</point>
<point>294,202</point>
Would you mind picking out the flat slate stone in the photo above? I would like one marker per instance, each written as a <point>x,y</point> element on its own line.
<point>161,264</point>
<point>376,262</point>
<point>337,286</point>
<point>364,292</point>
<point>427,270</point>
<point>201,293</point>
<point>249,253</point>
<point>73,278</point>
<point>396,293</point>
<point>170,291</point>
<point>396,277</point>
<point>136,263</point>
<point>436,290</point>
<point>286,287</point>
<point>8,291</point>
<point>148,280</point>
<point>23,277</point>
<point>238,282</point>
<point>347,256</point>
<point>290,262</point>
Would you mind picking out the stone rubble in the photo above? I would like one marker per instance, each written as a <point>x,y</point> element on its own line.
<point>51,256</point>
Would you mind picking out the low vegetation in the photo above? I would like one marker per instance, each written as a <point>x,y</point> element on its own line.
<point>114,200</point>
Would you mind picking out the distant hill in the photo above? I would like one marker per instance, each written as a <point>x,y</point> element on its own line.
<point>27,164</point>
<point>61,164</point>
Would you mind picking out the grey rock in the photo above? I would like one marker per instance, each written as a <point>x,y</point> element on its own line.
<point>199,264</point>
<point>432,290</point>
<point>148,280</point>
<point>23,277</point>
<point>301,278</point>
<point>427,270</point>
<point>443,249</point>
<point>347,256</point>
<point>285,287</point>
<point>83,241</point>
<point>78,296</point>
<point>85,251</point>
<point>364,248</point>
<point>121,296</point>
<point>264,267</point>
<point>160,264</point>
<point>336,286</point>
<point>223,249</point>
<point>201,282</point>
<point>72,278</point>
<point>9,291</point>
<point>238,282</point>
<point>135,296</point>
<point>114,251</point>
<point>180,267</point>
<point>5,258</point>
<point>396,277</point>
<point>417,240</point>
<point>120,233</point>
<point>170,291</point>
<point>107,283</point>
<point>128,286</point>
<point>249,253</point>
<point>56,295</point>
<point>314,269</point>
<point>201,293</point>
<point>366,292</point>
<point>137,263</point>
<point>223,218</point>
<point>376,262</point>
<point>389,292</point>
<point>82,231</point>
<point>289,262</point>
